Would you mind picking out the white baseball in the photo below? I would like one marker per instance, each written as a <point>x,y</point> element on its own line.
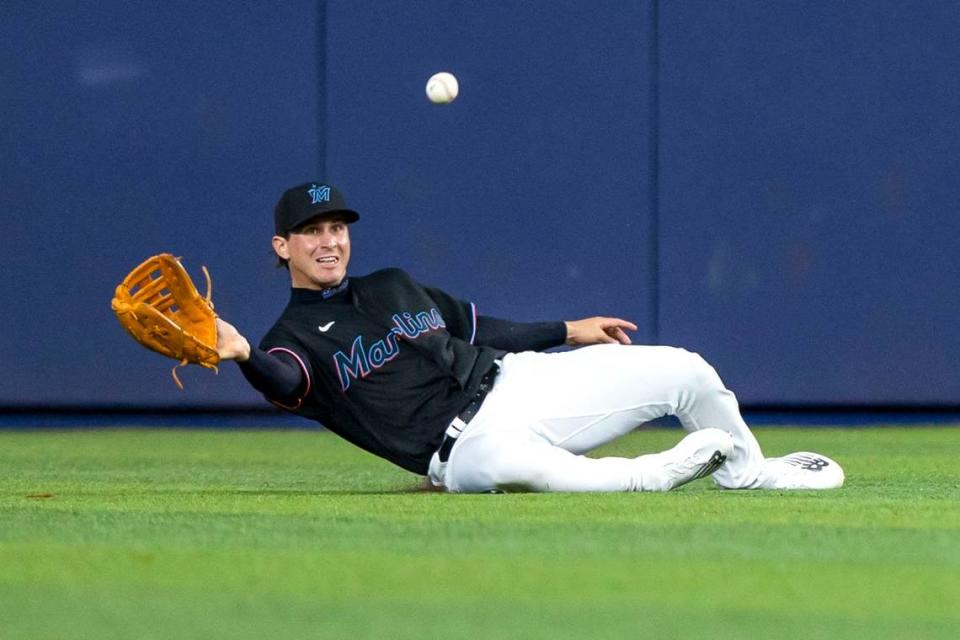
<point>442,88</point>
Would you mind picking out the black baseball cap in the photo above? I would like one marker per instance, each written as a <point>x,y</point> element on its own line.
<point>307,201</point>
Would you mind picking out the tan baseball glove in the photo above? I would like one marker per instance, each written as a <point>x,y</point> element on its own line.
<point>161,308</point>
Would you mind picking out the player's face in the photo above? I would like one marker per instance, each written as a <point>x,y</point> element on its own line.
<point>317,253</point>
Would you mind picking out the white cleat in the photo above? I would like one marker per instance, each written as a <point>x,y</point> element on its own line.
<point>802,470</point>
<point>696,456</point>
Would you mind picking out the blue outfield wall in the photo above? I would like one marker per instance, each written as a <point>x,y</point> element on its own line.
<point>809,225</point>
<point>770,184</point>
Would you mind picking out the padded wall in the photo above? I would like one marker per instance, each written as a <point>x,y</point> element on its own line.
<point>133,128</point>
<point>809,154</point>
<point>771,184</point>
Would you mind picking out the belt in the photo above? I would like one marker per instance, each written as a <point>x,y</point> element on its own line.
<point>458,424</point>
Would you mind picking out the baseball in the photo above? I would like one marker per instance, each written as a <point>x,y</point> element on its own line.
<point>442,88</point>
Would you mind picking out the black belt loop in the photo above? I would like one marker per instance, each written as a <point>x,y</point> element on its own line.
<point>457,425</point>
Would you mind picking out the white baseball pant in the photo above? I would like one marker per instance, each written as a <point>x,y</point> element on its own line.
<point>547,409</point>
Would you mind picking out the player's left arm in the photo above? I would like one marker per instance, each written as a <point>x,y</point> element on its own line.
<point>538,336</point>
<point>519,336</point>
<point>464,322</point>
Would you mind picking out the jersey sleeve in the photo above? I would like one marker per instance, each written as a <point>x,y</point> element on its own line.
<point>279,376</point>
<point>278,371</point>
<point>519,336</point>
<point>459,316</point>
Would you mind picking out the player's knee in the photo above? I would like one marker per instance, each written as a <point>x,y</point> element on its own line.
<point>700,374</point>
<point>511,472</point>
<point>487,464</point>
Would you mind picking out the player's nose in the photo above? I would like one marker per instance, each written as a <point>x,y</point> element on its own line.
<point>328,240</point>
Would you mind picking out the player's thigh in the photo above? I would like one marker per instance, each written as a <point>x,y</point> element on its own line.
<point>584,398</point>
<point>602,377</point>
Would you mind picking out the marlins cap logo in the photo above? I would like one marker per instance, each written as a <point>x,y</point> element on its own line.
<point>319,194</point>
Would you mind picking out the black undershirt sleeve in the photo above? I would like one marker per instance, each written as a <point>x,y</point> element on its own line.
<point>277,375</point>
<point>519,336</point>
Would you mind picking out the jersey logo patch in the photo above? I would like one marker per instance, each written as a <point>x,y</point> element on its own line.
<point>363,360</point>
<point>326,327</point>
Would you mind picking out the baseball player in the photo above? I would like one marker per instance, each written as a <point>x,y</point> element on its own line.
<point>418,377</point>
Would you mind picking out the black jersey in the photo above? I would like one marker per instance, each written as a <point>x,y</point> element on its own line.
<point>387,366</point>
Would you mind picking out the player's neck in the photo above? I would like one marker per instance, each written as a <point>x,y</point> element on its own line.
<point>303,294</point>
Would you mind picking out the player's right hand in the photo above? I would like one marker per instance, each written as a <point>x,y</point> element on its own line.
<point>231,345</point>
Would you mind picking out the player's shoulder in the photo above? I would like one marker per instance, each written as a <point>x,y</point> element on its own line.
<point>388,288</point>
<point>282,333</point>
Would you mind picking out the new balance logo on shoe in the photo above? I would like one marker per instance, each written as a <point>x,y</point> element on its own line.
<point>801,470</point>
<point>807,462</point>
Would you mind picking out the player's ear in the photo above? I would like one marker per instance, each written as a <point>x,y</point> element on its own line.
<point>280,247</point>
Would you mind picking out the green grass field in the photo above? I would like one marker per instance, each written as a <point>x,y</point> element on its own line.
<point>292,534</point>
